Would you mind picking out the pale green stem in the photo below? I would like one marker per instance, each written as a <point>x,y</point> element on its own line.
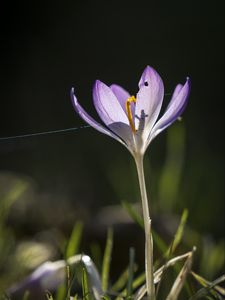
<point>147,226</point>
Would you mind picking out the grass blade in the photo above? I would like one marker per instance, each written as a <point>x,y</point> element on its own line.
<point>180,280</point>
<point>205,283</point>
<point>206,290</point>
<point>74,241</point>
<point>49,296</point>
<point>135,216</point>
<point>85,288</point>
<point>61,293</point>
<point>168,186</point>
<point>140,293</point>
<point>135,284</point>
<point>178,235</point>
<point>131,272</point>
<point>107,260</point>
<point>121,281</point>
<point>158,241</point>
<point>158,273</point>
<point>11,197</point>
<point>26,295</point>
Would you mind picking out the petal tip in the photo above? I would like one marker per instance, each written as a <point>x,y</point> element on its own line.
<point>72,91</point>
<point>150,75</point>
<point>188,80</point>
<point>73,98</point>
<point>188,83</point>
<point>148,70</point>
<point>98,84</point>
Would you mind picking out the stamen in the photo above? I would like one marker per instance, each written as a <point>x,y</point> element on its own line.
<point>129,112</point>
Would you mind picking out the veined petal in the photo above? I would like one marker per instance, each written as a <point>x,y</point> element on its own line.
<point>107,105</point>
<point>149,101</point>
<point>121,94</point>
<point>88,119</point>
<point>110,110</point>
<point>174,110</point>
<point>125,132</point>
<point>177,89</point>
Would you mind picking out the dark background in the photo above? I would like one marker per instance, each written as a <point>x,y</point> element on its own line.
<point>48,47</point>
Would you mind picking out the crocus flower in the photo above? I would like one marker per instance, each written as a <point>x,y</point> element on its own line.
<point>50,275</point>
<point>133,120</point>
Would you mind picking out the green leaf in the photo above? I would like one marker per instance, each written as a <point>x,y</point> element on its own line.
<point>138,281</point>
<point>96,254</point>
<point>205,291</point>
<point>135,284</point>
<point>158,274</point>
<point>26,295</point>
<point>180,280</point>
<point>107,260</point>
<point>85,288</point>
<point>4,296</point>
<point>61,293</point>
<point>49,296</point>
<point>135,216</point>
<point>178,235</point>
<point>212,258</point>
<point>131,272</point>
<point>180,230</point>
<point>68,282</point>
<point>160,244</point>
<point>74,241</point>
<point>205,283</point>
<point>10,198</point>
<point>168,186</point>
<point>121,281</point>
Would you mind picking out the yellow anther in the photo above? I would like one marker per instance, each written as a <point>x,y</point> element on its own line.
<point>129,112</point>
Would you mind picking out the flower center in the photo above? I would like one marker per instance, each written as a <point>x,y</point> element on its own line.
<point>129,112</point>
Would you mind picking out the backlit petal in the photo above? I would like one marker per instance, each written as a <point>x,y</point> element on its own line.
<point>107,105</point>
<point>124,132</point>
<point>88,119</point>
<point>110,111</point>
<point>121,94</point>
<point>174,110</point>
<point>149,101</point>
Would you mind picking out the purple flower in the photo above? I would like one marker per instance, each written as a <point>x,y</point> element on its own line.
<point>133,120</point>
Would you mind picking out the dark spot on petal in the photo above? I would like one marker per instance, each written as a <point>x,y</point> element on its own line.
<point>146,83</point>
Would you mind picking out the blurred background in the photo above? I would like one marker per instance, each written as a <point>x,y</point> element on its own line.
<point>47,183</point>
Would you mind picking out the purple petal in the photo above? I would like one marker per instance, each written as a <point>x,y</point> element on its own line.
<point>121,94</point>
<point>125,132</point>
<point>174,110</point>
<point>175,93</point>
<point>111,112</point>
<point>107,105</point>
<point>88,119</point>
<point>149,100</point>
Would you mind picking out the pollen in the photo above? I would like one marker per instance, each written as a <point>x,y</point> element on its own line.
<point>129,112</point>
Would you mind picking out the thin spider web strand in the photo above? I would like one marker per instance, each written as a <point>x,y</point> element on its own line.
<point>48,132</point>
<point>42,133</point>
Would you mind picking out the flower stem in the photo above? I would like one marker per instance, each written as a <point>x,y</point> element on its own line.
<point>147,226</point>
